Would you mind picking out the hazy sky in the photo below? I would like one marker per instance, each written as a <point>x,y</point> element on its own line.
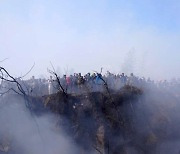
<point>142,36</point>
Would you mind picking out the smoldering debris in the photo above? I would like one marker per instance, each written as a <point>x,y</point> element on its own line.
<point>131,120</point>
<point>136,116</point>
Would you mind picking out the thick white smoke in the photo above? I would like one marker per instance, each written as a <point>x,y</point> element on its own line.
<point>22,132</point>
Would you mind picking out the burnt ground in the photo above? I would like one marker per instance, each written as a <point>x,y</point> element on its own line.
<point>128,121</point>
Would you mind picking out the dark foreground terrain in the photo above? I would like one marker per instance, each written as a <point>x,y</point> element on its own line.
<point>129,121</point>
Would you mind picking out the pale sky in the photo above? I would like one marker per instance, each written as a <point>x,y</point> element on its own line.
<point>140,36</point>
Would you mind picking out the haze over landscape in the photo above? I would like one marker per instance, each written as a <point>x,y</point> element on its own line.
<point>89,76</point>
<point>82,36</point>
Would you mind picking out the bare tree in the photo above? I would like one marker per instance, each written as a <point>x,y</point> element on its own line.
<point>59,87</point>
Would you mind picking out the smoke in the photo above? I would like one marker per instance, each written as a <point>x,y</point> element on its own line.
<point>152,122</point>
<point>129,65</point>
<point>156,120</point>
<point>22,132</point>
<point>36,31</point>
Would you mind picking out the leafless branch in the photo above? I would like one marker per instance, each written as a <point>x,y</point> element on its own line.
<point>97,149</point>
<point>10,89</point>
<point>28,71</point>
<point>60,87</point>
<point>3,60</point>
<point>12,79</point>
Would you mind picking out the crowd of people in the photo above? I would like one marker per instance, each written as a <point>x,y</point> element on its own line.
<point>77,83</point>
